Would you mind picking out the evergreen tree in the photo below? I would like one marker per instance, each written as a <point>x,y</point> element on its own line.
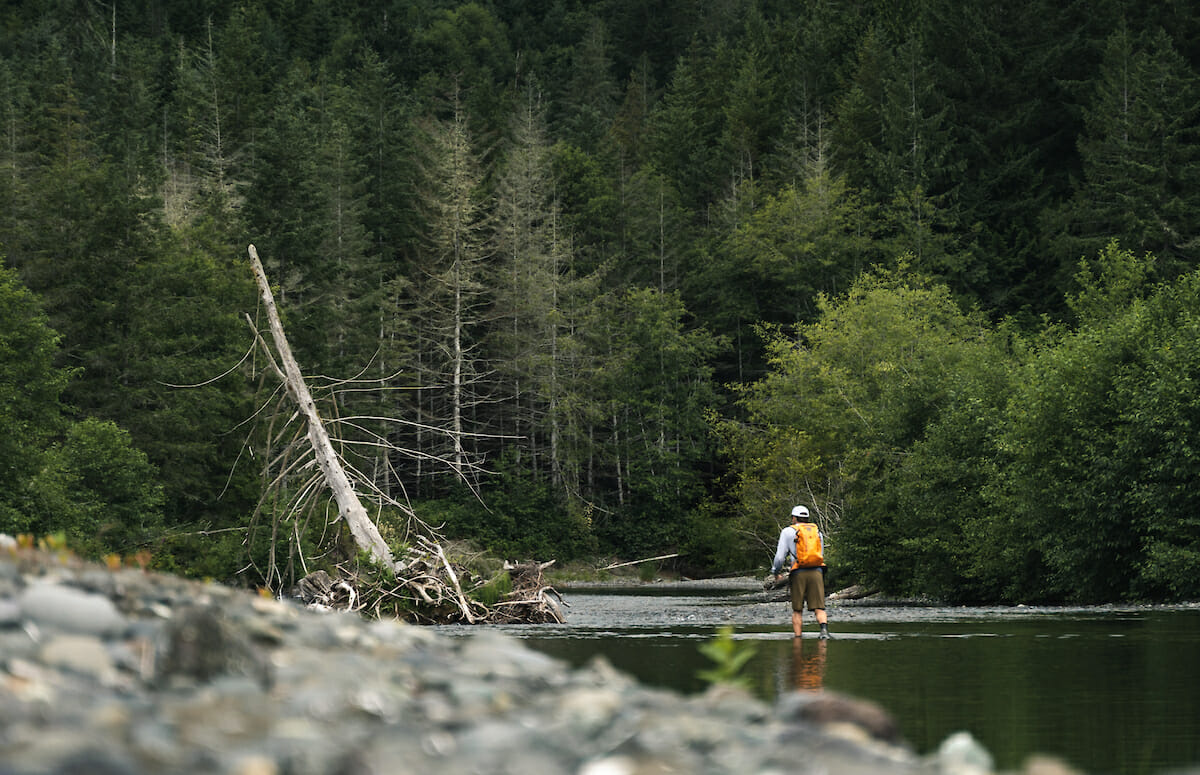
<point>339,196</point>
<point>1004,81</point>
<point>202,157</point>
<point>530,278</point>
<point>15,155</point>
<point>651,391</point>
<point>630,124</point>
<point>377,112</point>
<point>686,127</point>
<point>465,49</point>
<point>896,117</point>
<point>1141,156</point>
<point>450,299</point>
<point>752,108</point>
<point>656,231</point>
<point>30,389</point>
<point>589,96</point>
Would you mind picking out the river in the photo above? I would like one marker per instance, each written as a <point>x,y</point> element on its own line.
<point>1107,689</point>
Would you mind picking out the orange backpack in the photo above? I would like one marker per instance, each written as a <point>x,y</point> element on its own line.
<point>809,552</point>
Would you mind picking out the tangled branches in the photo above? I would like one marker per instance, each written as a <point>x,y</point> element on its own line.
<point>428,589</point>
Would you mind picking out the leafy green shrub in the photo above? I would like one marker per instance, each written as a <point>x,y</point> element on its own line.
<point>99,490</point>
<point>729,658</point>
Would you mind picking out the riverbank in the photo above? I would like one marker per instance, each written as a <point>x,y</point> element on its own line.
<point>749,589</point>
<point>743,604</point>
<point>121,671</point>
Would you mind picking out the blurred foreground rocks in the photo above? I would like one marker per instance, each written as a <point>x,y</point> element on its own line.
<point>116,672</point>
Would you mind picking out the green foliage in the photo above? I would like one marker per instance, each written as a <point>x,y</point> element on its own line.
<point>1099,446</point>
<point>648,396</point>
<point>729,656</point>
<point>521,519</point>
<point>710,540</point>
<point>99,490</point>
<point>1141,155</point>
<point>552,302</point>
<point>30,389</point>
<point>882,413</point>
<point>1109,285</point>
<point>192,551</point>
<point>494,590</point>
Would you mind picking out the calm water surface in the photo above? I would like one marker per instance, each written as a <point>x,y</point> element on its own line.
<point>1109,690</point>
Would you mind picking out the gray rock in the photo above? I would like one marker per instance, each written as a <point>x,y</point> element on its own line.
<point>199,678</point>
<point>83,654</point>
<point>961,754</point>
<point>68,609</point>
<point>10,613</point>
<point>829,708</point>
<point>199,644</point>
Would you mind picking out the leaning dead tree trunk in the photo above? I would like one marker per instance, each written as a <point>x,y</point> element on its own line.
<point>365,533</point>
<point>423,585</point>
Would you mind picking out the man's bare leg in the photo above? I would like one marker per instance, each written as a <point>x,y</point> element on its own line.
<point>797,624</point>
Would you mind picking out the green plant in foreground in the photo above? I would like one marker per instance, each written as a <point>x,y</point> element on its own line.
<point>729,658</point>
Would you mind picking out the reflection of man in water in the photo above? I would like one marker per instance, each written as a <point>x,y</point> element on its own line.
<point>808,669</point>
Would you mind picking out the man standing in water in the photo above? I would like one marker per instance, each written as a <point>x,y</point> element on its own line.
<point>802,542</point>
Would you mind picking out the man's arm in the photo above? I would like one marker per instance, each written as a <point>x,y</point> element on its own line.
<point>786,541</point>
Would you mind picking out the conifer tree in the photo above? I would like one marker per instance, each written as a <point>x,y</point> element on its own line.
<point>1141,157</point>
<point>896,118</point>
<point>199,154</point>
<point>31,386</point>
<point>529,279</point>
<point>449,297</point>
<point>590,96</point>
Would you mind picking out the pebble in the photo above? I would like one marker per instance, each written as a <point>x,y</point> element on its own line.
<point>124,672</point>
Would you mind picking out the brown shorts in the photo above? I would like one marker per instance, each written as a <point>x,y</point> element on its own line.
<point>808,586</point>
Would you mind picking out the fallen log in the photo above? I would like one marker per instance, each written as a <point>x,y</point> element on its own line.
<point>775,582</point>
<point>639,562</point>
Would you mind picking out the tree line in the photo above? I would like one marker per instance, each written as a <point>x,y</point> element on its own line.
<point>612,278</point>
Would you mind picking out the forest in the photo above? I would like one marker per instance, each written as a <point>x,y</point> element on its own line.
<point>574,280</point>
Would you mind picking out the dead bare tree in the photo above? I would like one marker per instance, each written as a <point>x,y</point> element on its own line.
<point>365,533</point>
<point>424,575</point>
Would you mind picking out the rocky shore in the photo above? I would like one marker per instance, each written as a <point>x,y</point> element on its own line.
<point>113,672</point>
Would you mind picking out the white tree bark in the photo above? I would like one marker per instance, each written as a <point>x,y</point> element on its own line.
<point>365,533</point>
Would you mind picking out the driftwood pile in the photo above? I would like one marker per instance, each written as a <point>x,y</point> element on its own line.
<point>428,589</point>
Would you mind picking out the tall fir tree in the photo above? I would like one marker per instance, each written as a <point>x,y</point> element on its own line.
<point>450,301</point>
<point>531,262</point>
<point>1141,157</point>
